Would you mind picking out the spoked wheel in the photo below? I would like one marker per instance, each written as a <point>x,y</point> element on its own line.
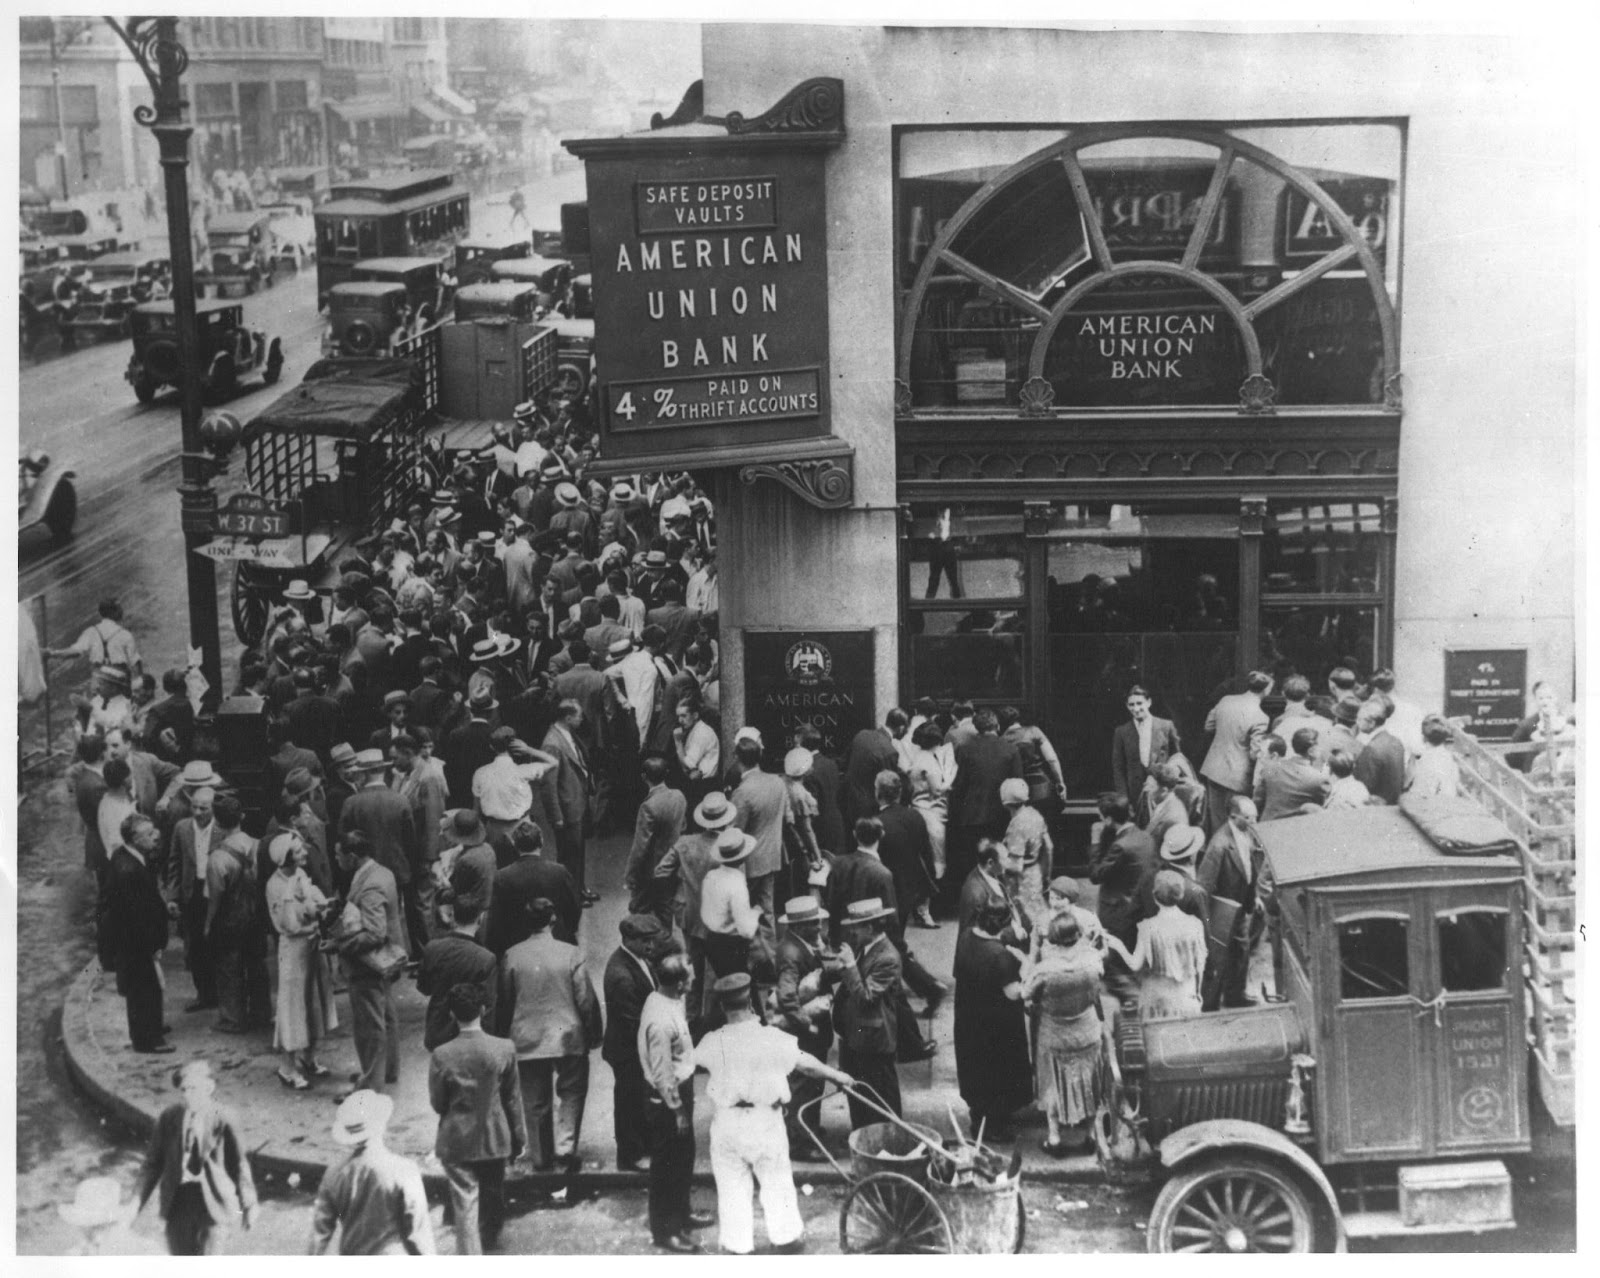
<point>251,604</point>
<point>1231,1205</point>
<point>888,1214</point>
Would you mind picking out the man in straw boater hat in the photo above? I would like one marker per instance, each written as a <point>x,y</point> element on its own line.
<point>803,1007</point>
<point>686,865</point>
<point>375,1198</point>
<point>729,917</point>
<point>866,1004</point>
<point>750,1065</point>
<point>197,1158</point>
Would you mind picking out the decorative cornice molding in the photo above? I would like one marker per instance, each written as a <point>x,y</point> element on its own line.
<point>828,483</point>
<point>812,106</point>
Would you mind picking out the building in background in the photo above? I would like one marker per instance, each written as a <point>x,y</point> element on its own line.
<point>255,88</point>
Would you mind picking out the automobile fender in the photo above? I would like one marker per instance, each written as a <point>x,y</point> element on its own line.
<point>1216,1134</point>
<point>41,495</point>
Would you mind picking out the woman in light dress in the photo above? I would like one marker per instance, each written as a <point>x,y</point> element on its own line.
<point>1028,841</point>
<point>1169,957</point>
<point>1063,989</point>
<point>305,992</point>
<point>931,773</point>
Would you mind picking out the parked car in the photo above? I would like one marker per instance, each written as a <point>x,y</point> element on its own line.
<point>552,276</point>
<point>367,317</point>
<point>294,233</point>
<point>241,249</point>
<point>428,291</point>
<point>46,495</point>
<point>103,302</point>
<point>85,248</point>
<point>228,350</point>
<point>476,255</point>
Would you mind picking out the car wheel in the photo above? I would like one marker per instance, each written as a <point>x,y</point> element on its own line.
<point>360,338</point>
<point>62,514</point>
<point>144,388</point>
<point>1232,1203</point>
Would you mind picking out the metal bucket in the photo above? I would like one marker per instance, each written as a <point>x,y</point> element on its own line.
<point>889,1147</point>
<point>985,1220</point>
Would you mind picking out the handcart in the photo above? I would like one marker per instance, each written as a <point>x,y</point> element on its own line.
<point>910,1195</point>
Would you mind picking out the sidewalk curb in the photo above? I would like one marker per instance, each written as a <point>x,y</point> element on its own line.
<point>94,1075</point>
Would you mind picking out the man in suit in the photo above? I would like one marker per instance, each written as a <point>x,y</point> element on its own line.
<point>547,1006</point>
<point>429,699</point>
<point>235,925</point>
<point>474,1087</point>
<point>197,1159</point>
<point>858,876</point>
<point>904,848</point>
<point>467,748</point>
<point>688,862</point>
<point>573,786</point>
<point>385,817</point>
<point>803,1010</point>
<point>1230,872</point>
<point>762,802</point>
<point>314,719</point>
<point>629,980</point>
<point>825,783</point>
<point>374,1018</point>
<point>866,1005</point>
<point>1139,745</point>
<point>1124,864</point>
<point>1297,713</point>
<point>656,828</point>
<point>88,788</point>
<point>1236,723</point>
<point>1381,765</point>
<point>983,761</point>
<point>187,861</point>
<point>527,878</point>
<point>872,750</point>
<point>541,646</point>
<point>450,961</point>
<point>985,885</point>
<point>1286,785</point>
<point>133,932</point>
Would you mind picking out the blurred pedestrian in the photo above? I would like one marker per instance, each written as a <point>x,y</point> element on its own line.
<point>198,1161</point>
<point>374,1199</point>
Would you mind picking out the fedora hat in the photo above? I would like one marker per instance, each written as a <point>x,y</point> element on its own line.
<point>866,911</point>
<point>734,847</point>
<point>197,773</point>
<point>369,761</point>
<point>798,762</point>
<point>1182,843</point>
<point>714,811</point>
<point>622,492</point>
<point>482,698</point>
<point>342,755</point>
<point>298,589</point>
<point>1013,790</point>
<point>97,1202</point>
<point>567,496</point>
<point>362,1116</point>
<point>299,783</point>
<point>466,828</point>
<point>802,909</point>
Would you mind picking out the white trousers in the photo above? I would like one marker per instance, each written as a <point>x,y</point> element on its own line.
<point>746,1144</point>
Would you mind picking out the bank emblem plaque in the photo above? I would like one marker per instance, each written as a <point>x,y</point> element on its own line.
<point>808,663</point>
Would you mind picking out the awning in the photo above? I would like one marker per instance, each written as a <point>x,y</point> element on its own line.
<point>431,111</point>
<point>354,109</point>
<point>454,100</point>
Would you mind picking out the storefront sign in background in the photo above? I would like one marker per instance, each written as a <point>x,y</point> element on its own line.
<point>1307,232</point>
<point>818,677</point>
<point>1488,687</point>
<point>711,301</point>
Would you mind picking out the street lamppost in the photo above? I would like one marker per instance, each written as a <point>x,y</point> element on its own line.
<point>154,45</point>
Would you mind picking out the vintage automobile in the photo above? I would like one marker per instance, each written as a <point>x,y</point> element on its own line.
<point>87,247</point>
<point>428,290</point>
<point>551,275</point>
<point>499,301</point>
<point>311,182</point>
<point>43,284</point>
<point>574,355</point>
<point>46,495</point>
<point>1380,1095</point>
<point>340,455</point>
<point>108,291</point>
<point>228,350</point>
<point>476,255</point>
<point>294,233</point>
<point>366,317</point>
<point>241,252</point>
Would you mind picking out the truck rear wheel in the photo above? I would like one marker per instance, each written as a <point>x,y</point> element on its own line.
<point>1231,1203</point>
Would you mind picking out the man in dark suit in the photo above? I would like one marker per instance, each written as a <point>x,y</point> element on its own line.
<point>525,880</point>
<point>88,788</point>
<point>803,1010</point>
<point>184,884</point>
<point>385,817</point>
<point>1286,785</point>
<point>1139,745</point>
<point>467,748</point>
<point>858,875</point>
<point>824,783</point>
<point>983,761</point>
<point>450,961</point>
<point>1124,865</point>
<point>314,719</point>
<point>629,980</point>
<point>904,848</point>
<point>865,1006</point>
<point>984,886</point>
<point>429,699</point>
<point>1236,723</point>
<point>198,1161</point>
<point>871,751</point>
<point>1381,765</point>
<point>657,827</point>
<point>573,785</point>
<point>1230,872</point>
<point>133,932</point>
<point>474,1087</point>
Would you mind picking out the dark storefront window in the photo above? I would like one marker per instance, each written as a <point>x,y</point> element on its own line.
<point>1314,639</point>
<point>975,654</point>
<point>1323,594</point>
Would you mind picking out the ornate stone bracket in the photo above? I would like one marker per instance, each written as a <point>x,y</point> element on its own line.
<point>828,483</point>
<point>1392,393</point>
<point>902,398</point>
<point>1252,516</point>
<point>691,110</point>
<point>1257,395</point>
<point>1037,397</point>
<point>813,106</point>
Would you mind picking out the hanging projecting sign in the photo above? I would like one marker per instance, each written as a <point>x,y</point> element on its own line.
<point>710,273</point>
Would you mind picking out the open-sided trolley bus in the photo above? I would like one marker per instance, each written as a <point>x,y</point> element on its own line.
<point>420,213</point>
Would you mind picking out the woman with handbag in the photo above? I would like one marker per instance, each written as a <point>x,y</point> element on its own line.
<point>306,1012</point>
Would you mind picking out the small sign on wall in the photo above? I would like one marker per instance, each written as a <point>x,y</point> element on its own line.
<point>1487,688</point>
<point>823,678</point>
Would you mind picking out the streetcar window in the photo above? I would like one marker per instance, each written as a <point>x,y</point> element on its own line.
<point>1472,950</point>
<point>1373,960</point>
<point>367,232</point>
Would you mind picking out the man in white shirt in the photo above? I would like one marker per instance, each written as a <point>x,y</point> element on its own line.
<point>702,593</point>
<point>666,1054</point>
<point>106,643</point>
<point>699,752</point>
<point>633,676</point>
<point>502,789</point>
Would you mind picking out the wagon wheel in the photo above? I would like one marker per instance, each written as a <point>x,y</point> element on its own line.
<point>1231,1204</point>
<point>890,1214</point>
<point>252,602</point>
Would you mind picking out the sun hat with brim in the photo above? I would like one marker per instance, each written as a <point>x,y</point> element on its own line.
<point>621,648</point>
<point>1182,843</point>
<point>734,847</point>
<point>1013,790</point>
<point>487,649</point>
<point>567,496</point>
<point>197,773</point>
<point>714,811</point>
<point>299,783</point>
<point>361,1116</point>
<point>114,674</point>
<point>866,911</point>
<point>342,755</point>
<point>278,849</point>
<point>443,497</point>
<point>97,1202</point>
<point>797,763</point>
<point>623,492</point>
<point>369,761</point>
<point>298,590</point>
<point>748,734</point>
<point>656,559</point>
<point>802,909</point>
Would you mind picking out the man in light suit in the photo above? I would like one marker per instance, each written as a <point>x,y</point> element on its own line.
<point>657,827</point>
<point>185,886</point>
<point>1286,785</point>
<point>198,1160</point>
<point>629,980</point>
<point>546,1006</point>
<point>474,1087</point>
<point>1236,723</point>
<point>573,784</point>
<point>762,802</point>
<point>374,1018</point>
<point>1140,745</point>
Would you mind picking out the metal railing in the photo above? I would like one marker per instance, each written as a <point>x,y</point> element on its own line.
<point>425,348</point>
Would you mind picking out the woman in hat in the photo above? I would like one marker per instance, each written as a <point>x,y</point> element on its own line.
<point>990,1030</point>
<point>800,832</point>
<point>297,813</point>
<point>1027,839</point>
<point>306,1012</point>
<point>1061,899</point>
<point>1063,989</point>
<point>1169,956</point>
